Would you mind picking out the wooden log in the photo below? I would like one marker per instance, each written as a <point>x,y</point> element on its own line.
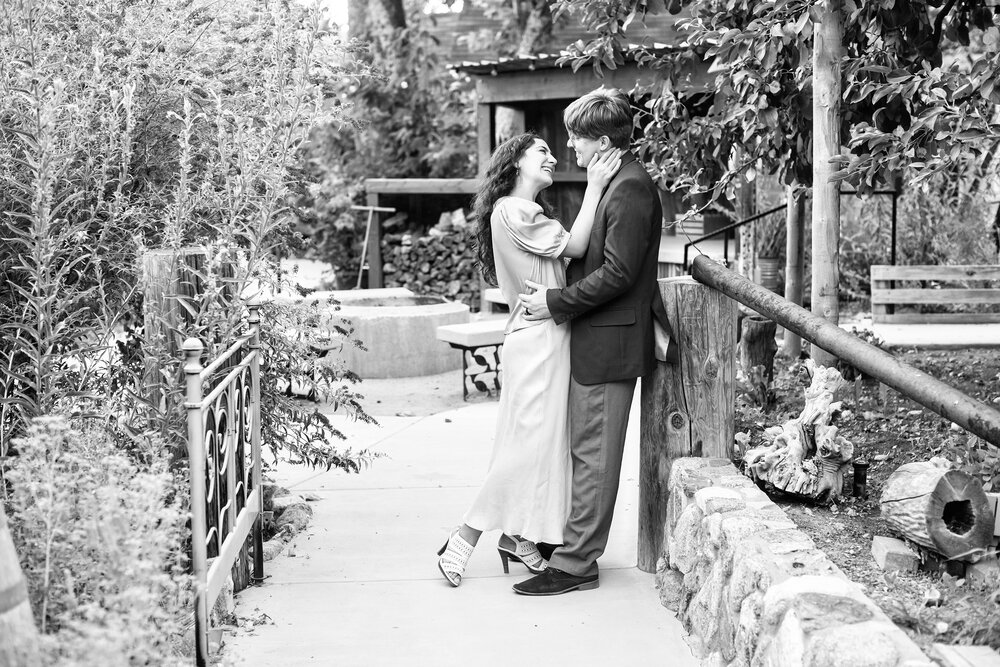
<point>939,508</point>
<point>19,644</point>
<point>757,344</point>
<point>687,409</point>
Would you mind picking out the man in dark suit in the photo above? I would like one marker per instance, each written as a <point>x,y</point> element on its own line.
<point>609,302</point>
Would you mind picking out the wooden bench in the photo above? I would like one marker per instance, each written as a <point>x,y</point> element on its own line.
<point>916,285</point>
<point>480,343</point>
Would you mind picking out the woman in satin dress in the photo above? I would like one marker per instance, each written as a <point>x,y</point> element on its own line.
<point>527,488</point>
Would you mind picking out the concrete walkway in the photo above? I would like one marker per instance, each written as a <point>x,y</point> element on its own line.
<point>361,587</point>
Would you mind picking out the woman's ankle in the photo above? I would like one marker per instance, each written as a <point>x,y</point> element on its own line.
<point>470,535</point>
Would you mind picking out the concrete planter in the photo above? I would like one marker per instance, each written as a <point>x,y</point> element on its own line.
<point>398,329</point>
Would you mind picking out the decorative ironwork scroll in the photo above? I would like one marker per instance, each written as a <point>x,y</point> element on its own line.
<point>481,369</point>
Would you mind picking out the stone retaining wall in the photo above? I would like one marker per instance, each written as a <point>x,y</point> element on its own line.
<point>753,590</point>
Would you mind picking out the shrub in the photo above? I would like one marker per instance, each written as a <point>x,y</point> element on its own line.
<point>937,223</point>
<point>100,537</point>
<point>128,127</point>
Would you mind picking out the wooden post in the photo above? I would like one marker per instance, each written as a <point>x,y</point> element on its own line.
<point>827,53</point>
<point>172,279</point>
<point>791,343</point>
<point>757,346</point>
<point>484,135</point>
<point>19,647</point>
<point>687,409</point>
<point>374,250</point>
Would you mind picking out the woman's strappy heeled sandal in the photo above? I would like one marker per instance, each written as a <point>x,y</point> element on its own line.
<point>525,552</point>
<point>454,556</point>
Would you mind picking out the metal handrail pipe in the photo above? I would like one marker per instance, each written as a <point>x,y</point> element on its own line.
<point>230,351</point>
<point>221,387</point>
<point>730,227</point>
<point>972,415</point>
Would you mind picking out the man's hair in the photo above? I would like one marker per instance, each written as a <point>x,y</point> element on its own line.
<point>602,112</point>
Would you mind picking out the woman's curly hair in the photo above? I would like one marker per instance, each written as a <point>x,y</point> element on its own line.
<point>499,181</point>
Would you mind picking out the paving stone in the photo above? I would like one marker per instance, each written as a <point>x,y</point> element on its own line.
<point>950,655</point>
<point>714,500</point>
<point>984,573</point>
<point>281,503</point>
<point>894,555</point>
<point>671,586</point>
<point>857,645</point>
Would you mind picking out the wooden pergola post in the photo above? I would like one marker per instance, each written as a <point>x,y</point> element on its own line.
<point>827,54</point>
<point>687,408</point>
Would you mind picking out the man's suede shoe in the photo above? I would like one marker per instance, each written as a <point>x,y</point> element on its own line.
<point>555,582</point>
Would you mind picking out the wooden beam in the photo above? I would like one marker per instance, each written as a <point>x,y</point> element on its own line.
<point>934,318</point>
<point>936,272</point>
<point>373,251</point>
<point>565,84</point>
<point>484,135</point>
<point>947,295</point>
<point>429,186</point>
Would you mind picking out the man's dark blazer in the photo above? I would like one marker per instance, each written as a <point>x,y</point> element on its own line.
<point>611,291</point>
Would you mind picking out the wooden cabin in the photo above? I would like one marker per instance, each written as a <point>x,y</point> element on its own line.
<point>530,93</point>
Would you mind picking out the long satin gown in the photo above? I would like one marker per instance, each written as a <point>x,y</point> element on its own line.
<point>527,487</point>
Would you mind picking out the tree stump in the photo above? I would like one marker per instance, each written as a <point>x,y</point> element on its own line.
<point>805,456</point>
<point>757,345</point>
<point>939,508</point>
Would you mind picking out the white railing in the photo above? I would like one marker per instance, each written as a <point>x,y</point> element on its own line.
<point>226,498</point>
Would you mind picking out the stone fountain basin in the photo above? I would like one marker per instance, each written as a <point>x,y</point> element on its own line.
<point>398,328</point>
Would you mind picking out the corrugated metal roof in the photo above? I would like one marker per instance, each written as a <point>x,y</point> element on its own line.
<point>542,61</point>
<point>458,40</point>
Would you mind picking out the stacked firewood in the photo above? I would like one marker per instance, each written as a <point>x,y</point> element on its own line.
<point>441,263</point>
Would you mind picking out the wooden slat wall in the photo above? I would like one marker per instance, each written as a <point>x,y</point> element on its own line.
<point>885,294</point>
<point>936,272</point>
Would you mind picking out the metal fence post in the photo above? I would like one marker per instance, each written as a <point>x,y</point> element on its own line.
<point>258,529</point>
<point>196,468</point>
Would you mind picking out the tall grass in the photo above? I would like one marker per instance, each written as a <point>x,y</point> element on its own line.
<point>127,127</point>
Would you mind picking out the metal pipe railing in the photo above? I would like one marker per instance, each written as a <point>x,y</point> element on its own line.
<point>757,216</point>
<point>972,415</point>
<point>729,228</point>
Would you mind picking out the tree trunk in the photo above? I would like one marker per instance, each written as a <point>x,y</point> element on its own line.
<point>395,12</point>
<point>827,54</point>
<point>942,509</point>
<point>19,646</point>
<point>757,346</point>
<point>357,19</point>
<point>794,261</point>
<point>746,205</point>
<point>537,29</point>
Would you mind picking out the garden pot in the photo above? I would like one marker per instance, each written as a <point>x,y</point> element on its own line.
<point>766,272</point>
